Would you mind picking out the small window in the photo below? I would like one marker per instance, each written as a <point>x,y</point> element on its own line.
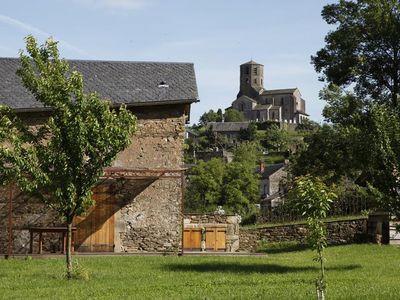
<point>241,107</point>
<point>255,80</point>
<point>247,70</point>
<point>247,80</point>
<point>255,71</point>
<point>261,81</point>
<point>273,115</point>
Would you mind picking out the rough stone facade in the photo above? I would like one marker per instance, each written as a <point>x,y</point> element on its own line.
<point>230,222</point>
<point>148,211</point>
<point>344,232</point>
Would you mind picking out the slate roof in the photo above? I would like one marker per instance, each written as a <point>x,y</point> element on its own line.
<point>251,62</point>
<point>271,169</point>
<point>279,91</point>
<point>227,126</point>
<point>132,83</point>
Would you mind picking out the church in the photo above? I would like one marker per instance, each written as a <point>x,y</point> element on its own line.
<point>259,104</point>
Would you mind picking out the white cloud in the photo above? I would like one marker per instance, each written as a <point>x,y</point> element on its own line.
<point>30,29</point>
<point>122,4</point>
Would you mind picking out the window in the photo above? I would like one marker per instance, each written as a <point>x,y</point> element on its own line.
<point>255,71</point>
<point>261,81</point>
<point>273,115</point>
<point>247,70</point>
<point>247,80</point>
<point>241,107</point>
<point>255,80</point>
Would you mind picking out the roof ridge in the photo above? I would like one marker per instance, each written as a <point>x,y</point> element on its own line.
<point>113,61</point>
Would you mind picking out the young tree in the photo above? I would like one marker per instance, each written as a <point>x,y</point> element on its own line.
<point>61,161</point>
<point>311,197</point>
<point>364,48</point>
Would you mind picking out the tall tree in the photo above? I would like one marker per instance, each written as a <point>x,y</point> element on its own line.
<point>61,161</point>
<point>364,48</point>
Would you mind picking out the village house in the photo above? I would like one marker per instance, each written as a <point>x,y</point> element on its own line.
<point>139,201</point>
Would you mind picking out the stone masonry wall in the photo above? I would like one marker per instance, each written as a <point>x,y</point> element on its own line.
<point>343,232</point>
<point>149,218</point>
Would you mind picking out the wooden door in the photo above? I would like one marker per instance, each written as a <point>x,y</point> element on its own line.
<point>95,230</point>
<point>192,239</point>
<point>215,239</point>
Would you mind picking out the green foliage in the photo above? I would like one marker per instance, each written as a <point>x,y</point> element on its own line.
<point>234,186</point>
<point>364,48</point>
<point>210,116</point>
<point>249,133</point>
<point>204,191</point>
<point>277,138</point>
<point>61,160</point>
<point>312,198</point>
<point>233,115</point>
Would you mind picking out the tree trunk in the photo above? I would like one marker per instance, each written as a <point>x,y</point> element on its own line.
<point>69,245</point>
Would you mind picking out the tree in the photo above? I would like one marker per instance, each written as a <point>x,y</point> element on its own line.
<point>312,198</point>
<point>277,138</point>
<point>249,133</point>
<point>204,190</point>
<point>364,49</point>
<point>235,186</point>
<point>233,115</point>
<point>61,161</point>
<point>210,116</point>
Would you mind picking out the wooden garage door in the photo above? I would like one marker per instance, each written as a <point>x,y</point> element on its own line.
<point>215,239</point>
<point>95,230</point>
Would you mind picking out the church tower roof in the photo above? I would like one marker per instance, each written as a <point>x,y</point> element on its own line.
<point>251,62</point>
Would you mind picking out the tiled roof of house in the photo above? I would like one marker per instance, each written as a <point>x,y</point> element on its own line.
<point>227,126</point>
<point>132,83</point>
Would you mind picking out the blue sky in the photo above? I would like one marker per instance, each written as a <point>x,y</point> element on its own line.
<point>217,36</point>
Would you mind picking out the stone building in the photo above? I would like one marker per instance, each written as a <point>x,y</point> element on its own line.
<point>270,185</point>
<point>139,200</point>
<point>259,104</point>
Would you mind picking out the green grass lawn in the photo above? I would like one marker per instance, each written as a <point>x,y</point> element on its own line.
<point>353,272</point>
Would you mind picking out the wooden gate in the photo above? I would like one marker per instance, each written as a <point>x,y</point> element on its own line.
<point>215,239</point>
<point>95,230</point>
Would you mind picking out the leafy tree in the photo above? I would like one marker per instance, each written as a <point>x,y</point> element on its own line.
<point>277,138</point>
<point>220,115</point>
<point>233,115</point>
<point>235,186</point>
<point>364,49</point>
<point>249,133</point>
<point>61,161</point>
<point>210,116</point>
<point>312,198</point>
<point>204,190</point>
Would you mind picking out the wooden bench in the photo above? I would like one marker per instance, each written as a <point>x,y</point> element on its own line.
<point>41,230</point>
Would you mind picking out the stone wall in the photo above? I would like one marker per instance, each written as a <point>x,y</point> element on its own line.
<point>210,220</point>
<point>343,232</point>
<point>148,217</point>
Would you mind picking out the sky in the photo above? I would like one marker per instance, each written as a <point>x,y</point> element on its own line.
<point>216,35</point>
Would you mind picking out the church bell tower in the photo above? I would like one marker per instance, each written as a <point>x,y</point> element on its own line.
<point>251,79</point>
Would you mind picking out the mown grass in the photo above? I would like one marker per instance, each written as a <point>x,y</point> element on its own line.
<point>353,272</point>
